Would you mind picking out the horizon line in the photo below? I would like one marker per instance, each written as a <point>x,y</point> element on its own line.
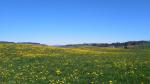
<point>28,42</point>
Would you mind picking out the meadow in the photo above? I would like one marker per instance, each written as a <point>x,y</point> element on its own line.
<point>36,64</point>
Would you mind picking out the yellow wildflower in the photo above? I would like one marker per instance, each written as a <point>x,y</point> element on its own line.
<point>58,72</point>
<point>110,82</point>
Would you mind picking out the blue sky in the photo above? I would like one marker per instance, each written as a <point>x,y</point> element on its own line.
<point>74,21</point>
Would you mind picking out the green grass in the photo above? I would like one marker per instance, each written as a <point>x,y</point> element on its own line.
<point>32,64</point>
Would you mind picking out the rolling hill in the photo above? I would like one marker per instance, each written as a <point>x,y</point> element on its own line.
<point>41,64</point>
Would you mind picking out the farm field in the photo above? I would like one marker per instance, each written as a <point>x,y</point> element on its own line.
<point>36,64</point>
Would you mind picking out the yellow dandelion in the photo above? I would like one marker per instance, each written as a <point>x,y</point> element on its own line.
<point>58,72</point>
<point>92,82</point>
<point>110,82</point>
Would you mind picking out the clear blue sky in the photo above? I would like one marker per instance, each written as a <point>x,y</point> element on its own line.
<point>74,21</point>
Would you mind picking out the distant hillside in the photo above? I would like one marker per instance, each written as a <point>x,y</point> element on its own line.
<point>128,44</point>
<point>33,43</point>
<point>5,42</point>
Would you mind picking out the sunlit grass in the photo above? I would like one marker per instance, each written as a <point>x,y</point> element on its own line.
<point>32,64</point>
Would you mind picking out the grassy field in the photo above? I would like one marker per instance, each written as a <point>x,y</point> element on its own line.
<point>33,64</point>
